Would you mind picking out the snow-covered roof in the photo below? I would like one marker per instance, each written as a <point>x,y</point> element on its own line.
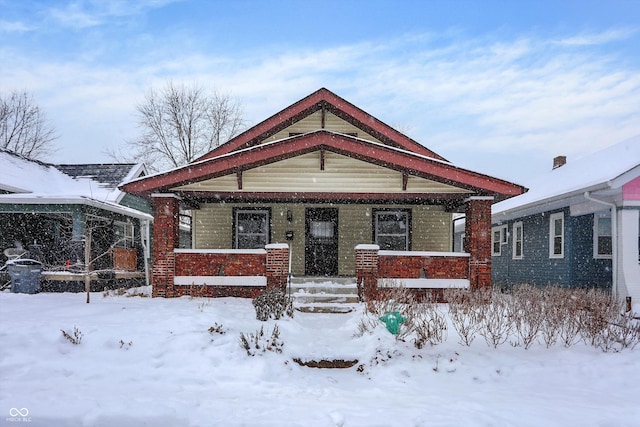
<point>30,181</point>
<point>608,168</point>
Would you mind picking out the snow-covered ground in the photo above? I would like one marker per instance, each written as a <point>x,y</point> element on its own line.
<point>154,362</point>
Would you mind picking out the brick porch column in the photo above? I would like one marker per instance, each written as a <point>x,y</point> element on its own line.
<point>277,265</point>
<point>166,220</point>
<point>477,241</point>
<point>367,271</point>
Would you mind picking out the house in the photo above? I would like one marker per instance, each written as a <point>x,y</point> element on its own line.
<point>47,212</point>
<point>577,226</point>
<point>321,188</point>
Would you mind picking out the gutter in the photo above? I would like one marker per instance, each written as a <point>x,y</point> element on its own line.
<point>614,240</point>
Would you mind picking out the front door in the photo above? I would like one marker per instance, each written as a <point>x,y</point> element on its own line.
<point>321,244</point>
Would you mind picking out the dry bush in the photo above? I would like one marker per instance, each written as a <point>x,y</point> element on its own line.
<point>428,324</point>
<point>272,303</point>
<point>261,342</point>
<point>74,337</point>
<point>526,311</point>
<point>465,311</point>
<point>393,297</point>
<point>423,322</point>
<point>495,323</point>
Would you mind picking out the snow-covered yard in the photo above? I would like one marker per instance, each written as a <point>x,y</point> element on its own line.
<point>154,362</point>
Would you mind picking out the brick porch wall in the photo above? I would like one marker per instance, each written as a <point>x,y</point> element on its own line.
<point>165,240</point>
<point>421,269</point>
<point>477,242</point>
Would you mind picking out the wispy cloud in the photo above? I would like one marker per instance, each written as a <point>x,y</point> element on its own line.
<point>82,14</point>
<point>14,27</point>
<point>597,38</point>
<point>467,99</point>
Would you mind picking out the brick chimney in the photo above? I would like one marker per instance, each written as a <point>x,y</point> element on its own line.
<point>559,161</point>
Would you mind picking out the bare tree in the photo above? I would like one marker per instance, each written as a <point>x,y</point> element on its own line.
<point>181,123</point>
<point>23,126</point>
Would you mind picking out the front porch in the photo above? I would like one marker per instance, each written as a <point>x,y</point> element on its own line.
<point>247,272</point>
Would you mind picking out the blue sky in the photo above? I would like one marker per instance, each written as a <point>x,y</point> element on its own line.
<point>500,87</point>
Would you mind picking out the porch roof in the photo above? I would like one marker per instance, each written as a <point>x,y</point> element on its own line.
<point>397,159</point>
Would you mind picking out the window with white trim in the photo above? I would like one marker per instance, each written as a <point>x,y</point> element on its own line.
<point>556,235</point>
<point>251,228</point>
<point>518,240</point>
<point>498,238</point>
<point>602,236</point>
<point>391,229</point>
<point>125,234</point>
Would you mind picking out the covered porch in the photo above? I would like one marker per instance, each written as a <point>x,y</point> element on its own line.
<point>242,272</point>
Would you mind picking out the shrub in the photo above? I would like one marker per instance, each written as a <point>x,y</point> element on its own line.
<point>272,303</point>
<point>465,312</point>
<point>260,342</point>
<point>75,337</point>
<point>526,311</point>
<point>428,324</point>
<point>216,329</point>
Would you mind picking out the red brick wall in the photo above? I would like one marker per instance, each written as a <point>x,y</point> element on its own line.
<point>277,268</point>
<point>428,267</point>
<point>274,264</point>
<point>165,240</point>
<point>367,271</point>
<point>220,264</point>
<point>478,242</point>
<point>217,291</point>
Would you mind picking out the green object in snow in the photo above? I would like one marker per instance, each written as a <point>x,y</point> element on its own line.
<point>392,320</point>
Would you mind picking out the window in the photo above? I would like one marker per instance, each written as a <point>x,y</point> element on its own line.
<point>391,229</point>
<point>518,240</point>
<point>124,233</point>
<point>556,235</point>
<point>251,230</point>
<point>498,238</point>
<point>602,238</point>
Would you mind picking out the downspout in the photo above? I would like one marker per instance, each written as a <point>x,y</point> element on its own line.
<point>289,272</point>
<point>614,241</point>
<point>145,250</point>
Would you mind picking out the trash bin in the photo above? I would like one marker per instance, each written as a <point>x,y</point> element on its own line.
<point>25,275</point>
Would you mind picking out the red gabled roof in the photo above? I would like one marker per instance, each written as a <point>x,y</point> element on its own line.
<point>375,153</point>
<point>322,98</point>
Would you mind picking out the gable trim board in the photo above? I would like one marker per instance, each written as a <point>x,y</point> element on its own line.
<point>376,154</point>
<point>321,100</point>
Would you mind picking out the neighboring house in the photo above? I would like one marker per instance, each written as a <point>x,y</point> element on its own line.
<point>577,226</point>
<point>331,190</point>
<point>48,210</point>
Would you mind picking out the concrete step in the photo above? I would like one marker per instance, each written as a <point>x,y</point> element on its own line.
<point>339,308</point>
<point>324,289</point>
<point>325,298</point>
<point>323,280</point>
<point>324,294</point>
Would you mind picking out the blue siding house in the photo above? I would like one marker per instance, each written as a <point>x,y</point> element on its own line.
<point>577,226</point>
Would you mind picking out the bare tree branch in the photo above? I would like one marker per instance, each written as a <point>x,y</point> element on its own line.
<point>23,126</point>
<point>180,123</point>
